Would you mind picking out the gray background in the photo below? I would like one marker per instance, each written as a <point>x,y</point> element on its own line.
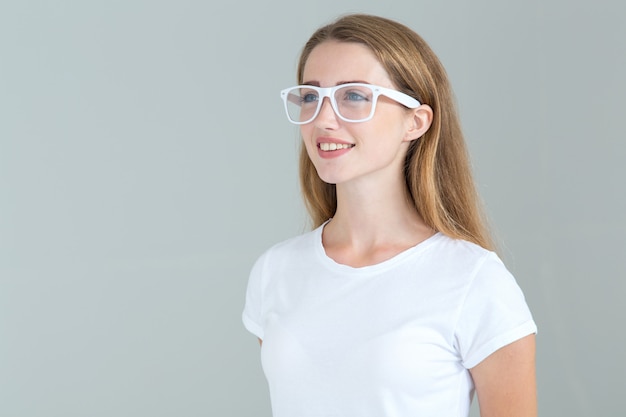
<point>145,162</point>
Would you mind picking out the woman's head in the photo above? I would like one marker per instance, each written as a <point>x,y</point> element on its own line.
<point>437,172</point>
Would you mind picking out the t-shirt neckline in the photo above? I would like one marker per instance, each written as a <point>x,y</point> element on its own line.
<point>366,270</point>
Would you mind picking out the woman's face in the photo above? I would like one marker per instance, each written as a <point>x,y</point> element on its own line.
<point>356,152</point>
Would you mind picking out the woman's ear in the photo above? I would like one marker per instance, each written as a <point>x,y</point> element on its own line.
<point>419,123</point>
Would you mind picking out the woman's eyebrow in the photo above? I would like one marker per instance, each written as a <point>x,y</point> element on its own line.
<point>317,84</point>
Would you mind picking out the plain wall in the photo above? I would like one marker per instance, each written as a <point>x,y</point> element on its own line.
<point>145,162</point>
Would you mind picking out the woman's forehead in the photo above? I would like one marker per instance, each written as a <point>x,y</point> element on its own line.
<point>332,62</point>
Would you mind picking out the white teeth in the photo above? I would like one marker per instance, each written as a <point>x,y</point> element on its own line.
<point>334,146</point>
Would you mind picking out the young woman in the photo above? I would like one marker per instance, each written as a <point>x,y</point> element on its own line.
<point>395,304</point>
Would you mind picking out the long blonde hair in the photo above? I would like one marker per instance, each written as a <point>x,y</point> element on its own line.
<point>437,170</point>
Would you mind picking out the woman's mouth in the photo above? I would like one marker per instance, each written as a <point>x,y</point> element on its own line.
<point>329,147</point>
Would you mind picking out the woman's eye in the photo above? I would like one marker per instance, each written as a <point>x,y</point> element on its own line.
<point>355,96</point>
<point>309,98</point>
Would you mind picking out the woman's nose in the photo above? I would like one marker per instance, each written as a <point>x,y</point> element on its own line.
<point>327,115</point>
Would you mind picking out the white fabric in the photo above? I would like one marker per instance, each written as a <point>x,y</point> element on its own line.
<point>394,339</point>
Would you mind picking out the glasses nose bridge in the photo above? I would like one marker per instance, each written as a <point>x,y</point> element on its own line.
<point>327,93</point>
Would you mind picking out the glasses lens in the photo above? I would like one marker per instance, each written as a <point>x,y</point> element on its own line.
<point>302,104</point>
<point>354,102</point>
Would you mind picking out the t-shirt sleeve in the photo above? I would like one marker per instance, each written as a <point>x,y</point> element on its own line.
<point>252,312</point>
<point>494,313</point>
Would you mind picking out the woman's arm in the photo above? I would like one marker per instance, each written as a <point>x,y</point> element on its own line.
<point>505,381</point>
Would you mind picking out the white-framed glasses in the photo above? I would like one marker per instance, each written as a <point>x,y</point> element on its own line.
<point>353,102</point>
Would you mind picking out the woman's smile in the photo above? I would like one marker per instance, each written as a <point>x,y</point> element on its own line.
<point>328,147</point>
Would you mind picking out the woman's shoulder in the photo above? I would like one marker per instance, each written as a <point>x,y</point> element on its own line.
<point>460,257</point>
<point>461,248</point>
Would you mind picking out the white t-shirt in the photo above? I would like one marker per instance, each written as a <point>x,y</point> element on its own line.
<point>395,339</point>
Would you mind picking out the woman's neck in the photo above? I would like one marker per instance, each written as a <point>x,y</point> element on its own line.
<point>373,224</point>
